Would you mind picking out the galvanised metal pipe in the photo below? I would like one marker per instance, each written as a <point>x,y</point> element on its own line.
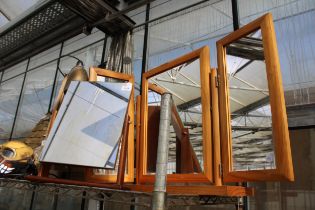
<point>159,192</point>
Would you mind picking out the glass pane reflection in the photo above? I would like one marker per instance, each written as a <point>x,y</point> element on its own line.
<point>252,146</point>
<point>183,82</point>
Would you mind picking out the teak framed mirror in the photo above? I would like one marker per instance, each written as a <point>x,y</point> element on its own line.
<point>110,175</point>
<point>190,145</point>
<point>253,122</point>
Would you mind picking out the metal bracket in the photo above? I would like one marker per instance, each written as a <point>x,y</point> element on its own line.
<point>217,81</point>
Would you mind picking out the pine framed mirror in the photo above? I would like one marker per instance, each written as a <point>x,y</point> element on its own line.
<point>253,122</point>
<point>190,146</point>
<point>110,175</point>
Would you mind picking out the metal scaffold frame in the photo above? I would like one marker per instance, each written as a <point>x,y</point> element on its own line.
<point>131,198</point>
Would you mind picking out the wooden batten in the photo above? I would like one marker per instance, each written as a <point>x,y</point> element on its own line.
<point>215,129</point>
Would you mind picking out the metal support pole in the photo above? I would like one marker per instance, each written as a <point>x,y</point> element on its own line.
<point>236,22</point>
<point>104,49</point>
<point>159,192</point>
<point>1,76</point>
<point>33,198</point>
<point>145,44</point>
<point>55,80</point>
<point>19,100</point>
<point>245,198</point>
<point>83,201</point>
<point>55,200</point>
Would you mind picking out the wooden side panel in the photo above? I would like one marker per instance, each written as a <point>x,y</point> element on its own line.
<point>215,129</point>
<point>281,141</point>
<point>186,163</point>
<point>277,102</point>
<point>152,136</point>
<point>138,129</point>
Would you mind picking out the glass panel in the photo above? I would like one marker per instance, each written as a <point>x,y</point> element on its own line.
<point>81,41</point>
<point>164,7</point>
<point>252,145</point>
<point>137,39</point>
<point>113,161</point>
<point>3,20</point>
<point>284,9</point>
<point>137,15</point>
<point>14,70</point>
<point>186,141</point>
<point>9,96</point>
<point>92,141</point>
<point>185,31</point>
<point>35,99</point>
<point>91,56</point>
<point>44,57</point>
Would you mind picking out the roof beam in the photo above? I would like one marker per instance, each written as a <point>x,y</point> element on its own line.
<point>251,107</point>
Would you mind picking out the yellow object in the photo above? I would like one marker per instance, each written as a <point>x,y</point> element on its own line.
<point>16,151</point>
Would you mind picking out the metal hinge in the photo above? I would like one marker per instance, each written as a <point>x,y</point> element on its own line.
<point>217,81</point>
<point>220,170</point>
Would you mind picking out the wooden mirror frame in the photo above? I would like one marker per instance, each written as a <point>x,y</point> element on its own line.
<point>281,141</point>
<point>207,176</point>
<point>129,175</point>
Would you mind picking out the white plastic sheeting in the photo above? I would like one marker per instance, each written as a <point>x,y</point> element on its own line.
<point>180,33</point>
<point>9,94</point>
<point>35,99</point>
<point>9,10</point>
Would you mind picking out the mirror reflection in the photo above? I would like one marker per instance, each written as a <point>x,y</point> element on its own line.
<point>186,141</point>
<point>252,145</point>
<point>95,140</point>
<point>112,164</point>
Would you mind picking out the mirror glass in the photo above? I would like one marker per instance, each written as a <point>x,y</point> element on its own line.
<point>113,162</point>
<point>186,141</point>
<point>88,129</point>
<point>252,144</point>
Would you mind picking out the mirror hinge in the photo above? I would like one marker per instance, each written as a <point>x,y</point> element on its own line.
<point>217,81</point>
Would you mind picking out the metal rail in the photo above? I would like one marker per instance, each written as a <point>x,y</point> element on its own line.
<point>131,198</point>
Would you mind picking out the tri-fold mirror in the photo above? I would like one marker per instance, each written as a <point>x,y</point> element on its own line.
<point>247,131</point>
<point>254,131</point>
<point>190,147</point>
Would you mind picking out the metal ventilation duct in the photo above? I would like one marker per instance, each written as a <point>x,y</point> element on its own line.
<point>46,26</point>
<point>95,11</point>
<point>52,22</point>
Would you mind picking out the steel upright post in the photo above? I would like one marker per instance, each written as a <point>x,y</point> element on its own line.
<point>159,192</point>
